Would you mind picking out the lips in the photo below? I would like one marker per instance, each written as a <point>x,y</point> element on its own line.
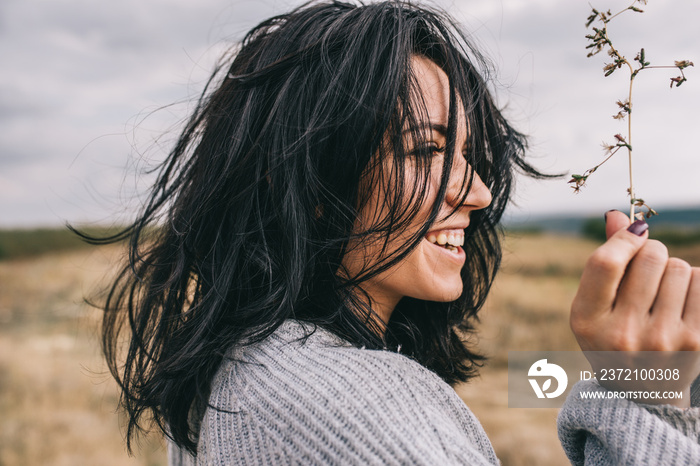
<point>450,239</point>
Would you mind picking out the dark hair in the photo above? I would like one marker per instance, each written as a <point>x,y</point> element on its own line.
<point>255,207</point>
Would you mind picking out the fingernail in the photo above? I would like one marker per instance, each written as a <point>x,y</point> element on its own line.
<point>606,213</point>
<point>638,227</point>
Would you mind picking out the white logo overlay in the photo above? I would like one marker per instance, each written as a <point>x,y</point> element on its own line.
<point>542,369</point>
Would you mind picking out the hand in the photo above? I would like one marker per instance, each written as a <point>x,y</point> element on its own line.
<point>633,297</point>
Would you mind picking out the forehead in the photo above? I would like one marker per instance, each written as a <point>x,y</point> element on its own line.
<point>434,88</point>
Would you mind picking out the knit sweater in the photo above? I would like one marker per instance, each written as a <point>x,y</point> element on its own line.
<point>321,401</point>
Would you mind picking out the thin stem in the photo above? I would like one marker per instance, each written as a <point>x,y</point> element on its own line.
<point>612,152</point>
<point>629,149</point>
<point>614,50</point>
<point>629,113</point>
<point>621,11</point>
<point>600,41</point>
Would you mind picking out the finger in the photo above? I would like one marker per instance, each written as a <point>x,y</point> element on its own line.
<point>614,222</point>
<point>640,285</point>
<point>604,271</point>
<point>670,300</point>
<point>691,311</point>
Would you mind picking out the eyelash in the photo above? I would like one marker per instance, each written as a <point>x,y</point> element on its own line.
<point>432,149</point>
<point>436,149</point>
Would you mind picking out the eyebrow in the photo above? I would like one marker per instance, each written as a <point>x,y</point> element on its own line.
<point>438,127</point>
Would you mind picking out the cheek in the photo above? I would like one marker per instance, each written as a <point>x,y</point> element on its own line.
<point>442,276</point>
<point>426,275</point>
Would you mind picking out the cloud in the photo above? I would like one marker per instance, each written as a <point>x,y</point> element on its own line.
<point>80,77</point>
<point>562,100</point>
<point>76,73</point>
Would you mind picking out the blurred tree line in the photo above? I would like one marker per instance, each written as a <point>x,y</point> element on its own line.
<point>594,229</point>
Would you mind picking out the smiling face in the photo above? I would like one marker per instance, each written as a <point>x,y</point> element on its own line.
<point>431,271</point>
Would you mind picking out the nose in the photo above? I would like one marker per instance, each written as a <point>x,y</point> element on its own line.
<point>479,196</point>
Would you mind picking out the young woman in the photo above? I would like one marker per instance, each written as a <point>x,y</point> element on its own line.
<point>302,283</point>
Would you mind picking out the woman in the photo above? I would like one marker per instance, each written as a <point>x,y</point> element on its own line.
<point>327,232</point>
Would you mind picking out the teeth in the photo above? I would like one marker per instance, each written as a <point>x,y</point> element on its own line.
<point>450,239</point>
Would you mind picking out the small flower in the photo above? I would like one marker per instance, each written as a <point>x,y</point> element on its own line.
<point>641,58</point>
<point>683,64</point>
<point>578,182</point>
<point>609,69</point>
<point>598,48</point>
<point>621,142</point>
<point>592,17</point>
<point>598,41</point>
<point>678,80</point>
<point>624,105</point>
<point>640,203</point>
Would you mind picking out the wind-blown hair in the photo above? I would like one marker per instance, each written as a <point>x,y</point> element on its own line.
<point>256,206</point>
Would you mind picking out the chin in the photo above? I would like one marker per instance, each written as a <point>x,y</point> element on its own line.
<point>445,294</point>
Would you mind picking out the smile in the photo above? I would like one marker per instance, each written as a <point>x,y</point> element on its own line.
<point>449,242</point>
<point>448,239</point>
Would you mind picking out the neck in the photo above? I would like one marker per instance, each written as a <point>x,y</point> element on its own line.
<point>379,305</point>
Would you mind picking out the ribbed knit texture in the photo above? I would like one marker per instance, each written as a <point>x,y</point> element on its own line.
<point>621,432</point>
<point>321,401</point>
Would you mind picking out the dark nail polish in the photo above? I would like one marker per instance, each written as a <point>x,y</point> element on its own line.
<point>606,213</point>
<point>638,227</point>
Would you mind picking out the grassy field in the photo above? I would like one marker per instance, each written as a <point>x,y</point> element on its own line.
<point>528,310</point>
<point>57,405</point>
<point>19,244</point>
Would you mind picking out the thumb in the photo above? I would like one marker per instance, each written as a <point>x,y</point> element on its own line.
<point>606,268</point>
<point>614,222</point>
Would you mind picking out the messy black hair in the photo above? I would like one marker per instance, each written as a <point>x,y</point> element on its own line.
<point>256,205</point>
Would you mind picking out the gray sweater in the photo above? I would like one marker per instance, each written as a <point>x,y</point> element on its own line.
<point>321,401</point>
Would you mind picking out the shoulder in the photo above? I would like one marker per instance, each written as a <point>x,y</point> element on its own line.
<point>312,397</point>
<point>298,350</point>
<point>311,363</point>
<point>302,364</point>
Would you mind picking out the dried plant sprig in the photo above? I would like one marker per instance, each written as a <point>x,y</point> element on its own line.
<point>600,41</point>
<point>579,181</point>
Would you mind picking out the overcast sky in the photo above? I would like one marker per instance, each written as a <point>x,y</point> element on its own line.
<point>87,86</point>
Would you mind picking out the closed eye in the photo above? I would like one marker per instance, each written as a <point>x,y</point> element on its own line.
<point>429,149</point>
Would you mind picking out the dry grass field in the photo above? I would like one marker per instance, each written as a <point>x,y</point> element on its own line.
<point>57,405</point>
<point>527,310</point>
